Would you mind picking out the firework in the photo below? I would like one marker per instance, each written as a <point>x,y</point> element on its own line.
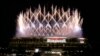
<point>55,23</point>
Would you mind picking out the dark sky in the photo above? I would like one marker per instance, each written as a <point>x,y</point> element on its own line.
<point>88,10</point>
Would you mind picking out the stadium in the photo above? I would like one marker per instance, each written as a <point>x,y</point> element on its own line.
<point>55,33</point>
<point>55,47</point>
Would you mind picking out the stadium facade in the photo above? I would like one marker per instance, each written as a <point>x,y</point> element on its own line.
<point>41,47</point>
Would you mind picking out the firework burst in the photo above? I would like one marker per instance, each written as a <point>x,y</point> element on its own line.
<point>55,23</point>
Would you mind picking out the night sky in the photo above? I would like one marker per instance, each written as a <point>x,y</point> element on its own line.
<point>88,10</point>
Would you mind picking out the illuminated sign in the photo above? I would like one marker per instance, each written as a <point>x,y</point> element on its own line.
<point>56,40</point>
